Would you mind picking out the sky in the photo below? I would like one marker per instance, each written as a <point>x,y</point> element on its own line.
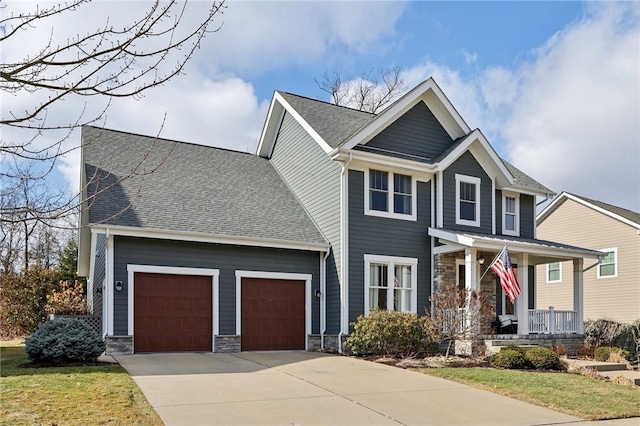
<point>555,86</point>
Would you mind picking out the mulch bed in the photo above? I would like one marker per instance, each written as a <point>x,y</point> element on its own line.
<point>438,361</point>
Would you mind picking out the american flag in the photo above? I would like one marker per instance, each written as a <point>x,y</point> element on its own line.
<point>503,268</point>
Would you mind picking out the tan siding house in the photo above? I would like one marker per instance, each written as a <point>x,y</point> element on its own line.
<point>611,288</point>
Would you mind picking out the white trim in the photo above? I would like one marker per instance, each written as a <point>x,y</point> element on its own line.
<point>391,197</point>
<point>271,127</point>
<point>493,206</point>
<point>557,201</point>
<point>172,270</point>
<point>364,160</point>
<point>275,276</point>
<point>559,280</point>
<point>474,181</point>
<point>615,263</point>
<point>440,201</point>
<point>163,234</point>
<point>516,231</point>
<point>108,290</point>
<point>344,253</point>
<point>391,261</point>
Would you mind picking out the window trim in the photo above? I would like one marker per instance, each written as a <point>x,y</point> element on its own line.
<point>506,231</point>
<point>391,262</point>
<point>477,182</point>
<point>615,263</point>
<point>389,213</point>
<point>559,280</point>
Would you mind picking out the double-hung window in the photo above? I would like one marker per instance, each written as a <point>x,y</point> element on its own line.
<point>510,214</point>
<point>554,272</point>
<point>608,265</point>
<point>467,200</point>
<point>390,283</point>
<point>390,194</point>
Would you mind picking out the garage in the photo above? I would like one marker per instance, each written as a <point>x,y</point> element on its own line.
<point>273,314</point>
<point>172,313</point>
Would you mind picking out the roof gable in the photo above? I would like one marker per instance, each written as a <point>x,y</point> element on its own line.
<point>628,217</point>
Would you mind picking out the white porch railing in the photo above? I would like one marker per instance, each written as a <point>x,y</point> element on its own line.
<point>552,321</point>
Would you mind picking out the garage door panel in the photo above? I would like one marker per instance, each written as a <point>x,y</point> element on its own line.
<point>172,313</point>
<point>273,314</point>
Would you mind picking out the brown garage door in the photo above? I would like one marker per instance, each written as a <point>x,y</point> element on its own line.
<point>273,315</point>
<point>171,313</point>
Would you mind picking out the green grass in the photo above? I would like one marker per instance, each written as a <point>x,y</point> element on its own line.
<point>579,396</point>
<point>68,395</point>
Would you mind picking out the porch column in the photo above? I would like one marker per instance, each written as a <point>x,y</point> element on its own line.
<point>470,276</point>
<point>578,292</point>
<point>522,301</point>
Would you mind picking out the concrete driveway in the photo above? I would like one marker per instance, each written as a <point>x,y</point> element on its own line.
<point>301,388</point>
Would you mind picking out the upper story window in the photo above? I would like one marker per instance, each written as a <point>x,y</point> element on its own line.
<point>554,272</point>
<point>608,267</point>
<point>390,194</point>
<point>510,214</point>
<point>467,200</point>
<point>390,283</point>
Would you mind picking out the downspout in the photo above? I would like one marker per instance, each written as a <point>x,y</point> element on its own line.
<point>343,249</point>
<point>323,297</point>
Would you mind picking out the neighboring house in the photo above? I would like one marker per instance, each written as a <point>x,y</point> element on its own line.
<point>611,287</point>
<point>189,247</point>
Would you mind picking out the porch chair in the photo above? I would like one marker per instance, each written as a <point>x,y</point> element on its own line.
<point>508,323</point>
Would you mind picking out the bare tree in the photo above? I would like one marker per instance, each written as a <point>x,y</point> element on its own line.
<point>110,61</point>
<point>459,313</point>
<point>370,92</point>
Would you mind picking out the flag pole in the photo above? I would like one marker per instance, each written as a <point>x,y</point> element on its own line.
<point>489,267</point>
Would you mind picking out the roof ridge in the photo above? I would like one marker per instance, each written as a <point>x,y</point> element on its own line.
<point>169,140</point>
<point>328,103</point>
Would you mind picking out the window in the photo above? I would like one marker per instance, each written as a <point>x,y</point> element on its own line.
<point>510,214</point>
<point>467,200</point>
<point>554,272</point>
<point>380,201</point>
<point>390,283</point>
<point>608,266</point>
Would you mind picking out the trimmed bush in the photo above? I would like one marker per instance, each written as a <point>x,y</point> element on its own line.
<point>509,357</point>
<point>390,333</point>
<point>542,359</point>
<point>62,341</point>
<point>602,353</point>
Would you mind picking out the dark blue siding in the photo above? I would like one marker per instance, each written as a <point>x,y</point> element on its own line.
<point>98,273</point>
<point>226,258</point>
<point>466,165</point>
<point>417,133</point>
<point>387,237</point>
<point>527,216</point>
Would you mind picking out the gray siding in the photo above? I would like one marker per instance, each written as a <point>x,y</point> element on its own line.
<point>466,165</point>
<point>226,258</point>
<point>98,273</point>
<point>527,216</point>
<point>417,132</point>
<point>387,237</point>
<point>315,180</point>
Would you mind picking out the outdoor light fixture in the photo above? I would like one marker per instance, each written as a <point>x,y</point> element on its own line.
<point>481,260</point>
<point>118,285</point>
<point>318,293</point>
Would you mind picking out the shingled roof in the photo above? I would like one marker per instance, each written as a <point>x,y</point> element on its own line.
<point>624,213</point>
<point>145,182</point>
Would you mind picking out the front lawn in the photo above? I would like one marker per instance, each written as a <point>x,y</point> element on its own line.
<point>84,395</point>
<point>572,394</point>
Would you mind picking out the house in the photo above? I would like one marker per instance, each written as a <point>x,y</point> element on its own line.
<point>194,248</point>
<point>612,287</point>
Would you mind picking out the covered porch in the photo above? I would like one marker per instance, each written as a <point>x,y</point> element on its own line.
<point>469,256</point>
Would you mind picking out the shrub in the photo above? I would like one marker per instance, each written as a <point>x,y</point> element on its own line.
<point>602,332</point>
<point>22,300</point>
<point>69,300</point>
<point>542,359</point>
<point>619,356</point>
<point>64,340</point>
<point>629,340</point>
<point>585,351</point>
<point>510,358</point>
<point>560,350</point>
<point>390,333</point>
<point>602,353</point>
